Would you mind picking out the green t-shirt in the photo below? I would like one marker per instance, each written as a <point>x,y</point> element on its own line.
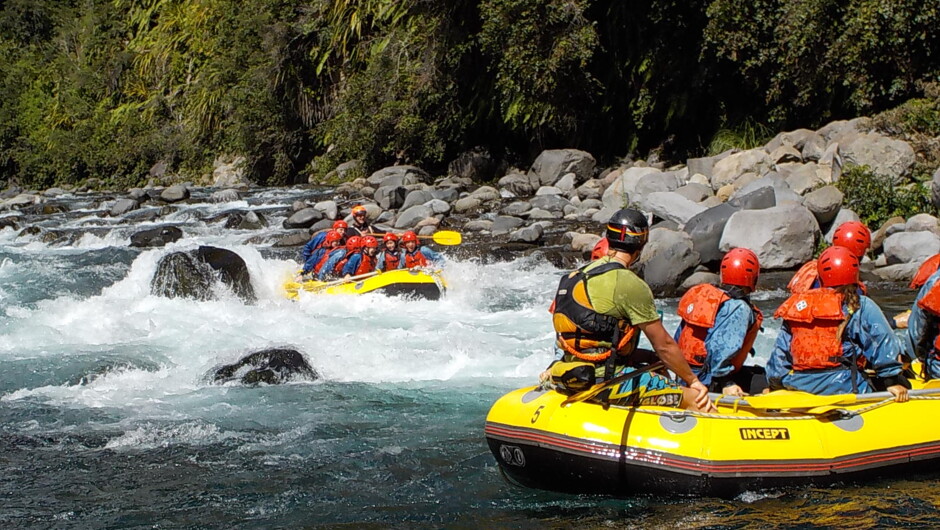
<point>621,293</point>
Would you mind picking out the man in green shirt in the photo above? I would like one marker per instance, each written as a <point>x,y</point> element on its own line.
<point>599,311</point>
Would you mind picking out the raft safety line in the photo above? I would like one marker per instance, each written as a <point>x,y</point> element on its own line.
<point>843,413</point>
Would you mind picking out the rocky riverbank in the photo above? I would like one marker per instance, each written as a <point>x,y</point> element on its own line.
<point>778,200</point>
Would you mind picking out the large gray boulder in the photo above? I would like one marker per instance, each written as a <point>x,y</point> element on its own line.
<point>706,227</point>
<point>886,157</point>
<point>412,216</point>
<point>329,208</point>
<point>398,176</point>
<point>416,197</point>
<point>122,206</point>
<point>911,247</point>
<point>505,224</point>
<point>654,182</point>
<point>551,203</point>
<point>175,193</point>
<point>706,165</point>
<point>518,184</point>
<point>529,234</point>
<point>845,215</point>
<point>194,274</point>
<point>390,197</point>
<point>782,236</point>
<point>667,259</point>
<point>824,203</point>
<point>671,206</point>
<point>304,218</point>
<point>803,178</point>
<point>552,164</point>
<point>728,169</point>
<point>695,192</point>
<point>622,191</point>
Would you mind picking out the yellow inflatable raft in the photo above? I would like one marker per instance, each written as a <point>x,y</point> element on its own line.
<point>409,282</point>
<point>584,447</point>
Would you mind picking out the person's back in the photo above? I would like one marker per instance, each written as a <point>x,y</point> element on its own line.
<point>719,325</point>
<point>923,326</point>
<point>362,262</point>
<point>831,334</point>
<point>852,235</point>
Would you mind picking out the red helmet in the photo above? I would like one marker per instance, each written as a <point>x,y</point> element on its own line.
<point>333,236</point>
<point>600,249</point>
<point>409,236</point>
<point>353,244</point>
<point>854,236</point>
<point>340,224</point>
<point>837,266</point>
<point>740,267</point>
<point>359,209</point>
<point>390,237</point>
<point>370,242</point>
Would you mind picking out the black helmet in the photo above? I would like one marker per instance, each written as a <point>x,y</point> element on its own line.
<point>628,230</point>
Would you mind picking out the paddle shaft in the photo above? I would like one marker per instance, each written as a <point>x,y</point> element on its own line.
<point>600,387</point>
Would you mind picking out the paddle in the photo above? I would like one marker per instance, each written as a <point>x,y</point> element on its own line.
<point>600,387</point>
<point>791,399</point>
<point>445,237</point>
<point>293,286</point>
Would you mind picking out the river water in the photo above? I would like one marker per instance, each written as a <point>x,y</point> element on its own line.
<point>107,419</point>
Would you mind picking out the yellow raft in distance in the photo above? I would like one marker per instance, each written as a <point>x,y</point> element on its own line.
<point>587,448</point>
<point>415,283</point>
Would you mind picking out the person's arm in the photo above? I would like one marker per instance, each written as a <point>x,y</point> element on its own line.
<point>380,261</point>
<point>724,341</point>
<point>880,346</point>
<point>331,262</point>
<point>668,351</point>
<point>779,363</point>
<point>312,261</point>
<point>435,257</point>
<point>352,264</point>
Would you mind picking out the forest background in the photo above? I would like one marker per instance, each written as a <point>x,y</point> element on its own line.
<point>110,89</point>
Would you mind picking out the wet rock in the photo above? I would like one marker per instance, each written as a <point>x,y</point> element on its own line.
<point>156,237</point>
<point>529,234</point>
<point>10,222</point>
<point>329,209</point>
<point>516,209</point>
<point>193,274</point>
<point>272,366</point>
<point>505,224</point>
<point>477,225</point>
<point>304,218</point>
<point>175,193</point>
<point>293,240</point>
<point>122,206</point>
<point>249,220</point>
<point>226,195</point>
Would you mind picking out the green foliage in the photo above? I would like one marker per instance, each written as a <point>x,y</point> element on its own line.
<point>748,135</point>
<point>875,200</point>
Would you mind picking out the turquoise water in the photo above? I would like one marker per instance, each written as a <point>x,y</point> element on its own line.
<point>107,419</point>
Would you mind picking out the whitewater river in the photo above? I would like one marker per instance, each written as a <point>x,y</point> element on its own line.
<point>107,419</point>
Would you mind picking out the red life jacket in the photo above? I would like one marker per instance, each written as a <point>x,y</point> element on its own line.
<point>925,272</point>
<point>698,308</point>
<point>392,259</point>
<point>366,266</point>
<point>804,278</point>
<point>931,304</point>
<point>415,259</point>
<point>582,331</point>
<point>815,319</point>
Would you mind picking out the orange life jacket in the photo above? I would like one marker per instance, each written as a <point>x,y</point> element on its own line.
<point>698,308</point>
<point>925,272</point>
<point>322,262</point>
<point>815,319</point>
<point>392,259</point>
<point>582,331</point>
<point>804,278</point>
<point>931,304</point>
<point>338,268</point>
<point>366,265</point>
<point>415,259</point>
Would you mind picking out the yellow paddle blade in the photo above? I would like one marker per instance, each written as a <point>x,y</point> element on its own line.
<point>447,237</point>
<point>791,399</point>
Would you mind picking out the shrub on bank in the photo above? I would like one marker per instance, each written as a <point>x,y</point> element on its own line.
<point>875,200</point>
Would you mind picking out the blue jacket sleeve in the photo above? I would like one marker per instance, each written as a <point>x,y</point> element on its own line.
<point>435,257</point>
<point>724,339</point>
<point>311,246</point>
<point>870,332</point>
<point>313,260</point>
<point>352,264</point>
<point>917,322</point>
<point>780,363</point>
<point>331,262</point>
